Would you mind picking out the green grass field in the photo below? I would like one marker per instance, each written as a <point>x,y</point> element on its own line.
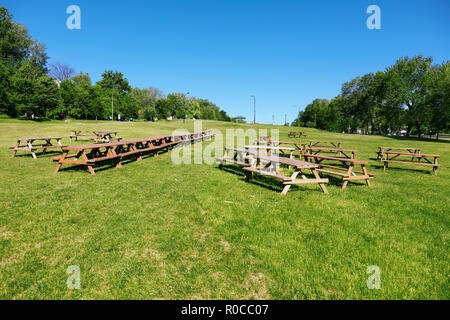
<point>157,230</point>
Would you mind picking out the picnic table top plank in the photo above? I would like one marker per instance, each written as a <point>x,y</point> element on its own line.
<point>415,155</point>
<point>269,147</point>
<point>288,161</point>
<point>331,149</point>
<point>119,143</point>
<point>39,138</point>
<point>317,156</point>
<point>400,148</point>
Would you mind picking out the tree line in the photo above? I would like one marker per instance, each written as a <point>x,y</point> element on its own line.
<point>29,87</point>
<point>413,95</point>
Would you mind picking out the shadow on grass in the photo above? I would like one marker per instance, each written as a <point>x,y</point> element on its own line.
<point>270,183</point>
<point>35,120</point>
<point>423,139</point>
<point>109,165</point>
<point>380,167</point>
<point>39,155</point>
<point>79,167</point>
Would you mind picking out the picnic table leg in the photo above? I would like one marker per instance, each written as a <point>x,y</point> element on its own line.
<point>363,167</point>
<point>48,144</point>
<point>288,186</point>
<point>349,172</point>
<point>90,168</point>
<point>322,185</point>
<point>30,145</point>
<point>15,151</point>
<point>58,166</point>
<point>435,167</point>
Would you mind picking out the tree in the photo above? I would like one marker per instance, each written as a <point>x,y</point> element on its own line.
<point>146,100</point>
<point>114,81</point>
<point>47,99</point>
<point>22,62</point>
<point>61,71</point>
<point>439,98</point>
<point>408,86</point>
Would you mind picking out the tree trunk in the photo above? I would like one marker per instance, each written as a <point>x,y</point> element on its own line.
<point>419,129</point>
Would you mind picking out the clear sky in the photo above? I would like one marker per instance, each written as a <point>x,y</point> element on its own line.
<point>286,53</point>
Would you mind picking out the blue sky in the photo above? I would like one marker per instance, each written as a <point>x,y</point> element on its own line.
<point>286,53</point>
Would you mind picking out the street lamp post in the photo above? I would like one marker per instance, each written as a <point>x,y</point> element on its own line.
<point>112,105</point>
<point>254,109</point>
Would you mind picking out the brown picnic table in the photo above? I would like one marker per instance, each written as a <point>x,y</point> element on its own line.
<point>106,136</point>
<point>412,151</point>
<point>93,135</point>
<point>114,152</point>
<point>296,134</point>
<point>343,164</point>
<point>300,146</point>
<point>29,145</point>
<point>422,159</point>
<point>315,143</point>
<point>271,149</point>
<point>254,162</point>
<point>347,153</point>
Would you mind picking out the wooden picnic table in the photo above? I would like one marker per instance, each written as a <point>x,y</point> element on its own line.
<point>254,162</point>
<point>383,149</point>
<point>343,164</point>
<point>334,150</point>
<point>114,152</point>
<point>315,143</point>
<point>429,159</point>
<point>296,134</point>
<point>106,136</point>
<point>269,149</point>
<point>94,135</point>
<point>296,144</point>
<point>44,143</point>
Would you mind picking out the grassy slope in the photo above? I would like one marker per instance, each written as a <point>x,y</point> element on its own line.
<point>154,229</point>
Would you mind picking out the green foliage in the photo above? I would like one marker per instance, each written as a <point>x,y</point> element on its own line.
<point>412,94</point>
<point>25,90</point>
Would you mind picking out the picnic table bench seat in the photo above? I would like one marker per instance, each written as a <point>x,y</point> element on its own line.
<point>344,164</point>
<point>423,159</point>
<point>106,158</point>
<point>272,174</point>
